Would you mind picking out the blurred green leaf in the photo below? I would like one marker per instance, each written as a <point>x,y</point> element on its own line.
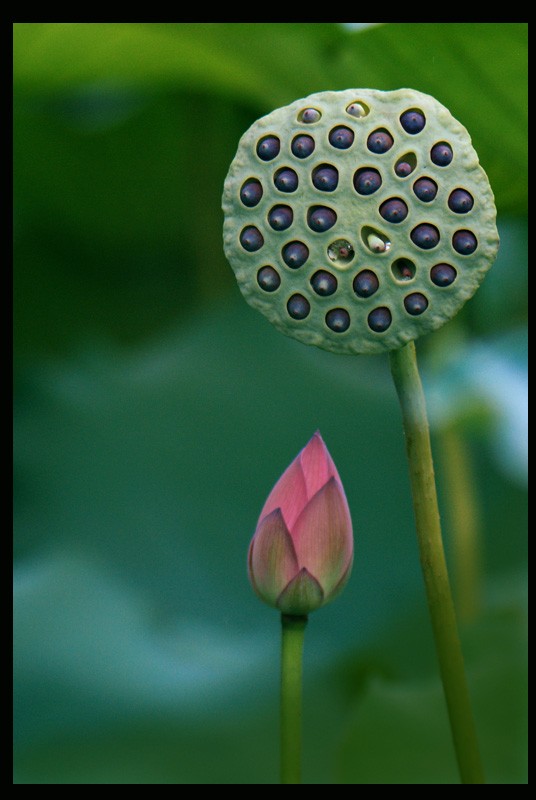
<point>399,730</point>
<point>478,70</point>
<point>130,52</point>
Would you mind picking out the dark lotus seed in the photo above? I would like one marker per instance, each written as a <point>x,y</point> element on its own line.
<point>251,239</point>
<point>280,218</point>
<point>394,210</point>
<point>379,319</point>
<point>338,319</point>
<point>415,303</point>
<point>413,121</point>
<point>268,148</point>
<point>341,137</point>
<point>403,169</point>
<point>324,283</point>
<point>286,180</point>
<point>425,236</point>
<point>365,283</point>
<point>268,279</point>
<point>425,189</point>
<point>302,145</point>
<point>441,154</point>
<point>464,242</point>
<point>295,254</point>
<point>367,181</point>
<point>326,178</point>
<point>309,115</point>
<point>298,306</point>
<point>251,192</point>
<point>443,274</point>
<point>380,141</point>
<point>460,201</point>
<point>320,218</point>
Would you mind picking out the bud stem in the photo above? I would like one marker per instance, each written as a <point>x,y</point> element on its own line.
<point>415,421</point>
<point>293,629</point>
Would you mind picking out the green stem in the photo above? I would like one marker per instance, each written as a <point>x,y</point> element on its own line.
<point>410,393</point>
<point>463,516</point>
<point>293,628</point>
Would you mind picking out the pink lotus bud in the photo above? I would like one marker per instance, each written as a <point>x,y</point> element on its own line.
<point>301,554</point>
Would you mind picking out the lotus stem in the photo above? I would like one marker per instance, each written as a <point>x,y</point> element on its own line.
<point>293,629</point>
<point>407,381</point>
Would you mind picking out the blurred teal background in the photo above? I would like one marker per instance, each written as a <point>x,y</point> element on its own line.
<point>154,410</point>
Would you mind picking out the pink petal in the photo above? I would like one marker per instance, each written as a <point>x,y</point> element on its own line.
<point>272,561</point>
<point>317,465</point>
<point>289,494</point>
<point>335,592</point>
<point>322,536</point>
<point>303,595</point>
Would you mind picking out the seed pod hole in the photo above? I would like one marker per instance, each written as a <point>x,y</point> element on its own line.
<point>379,319</point>
<point>464,242</point>
<point>324,283</point>
<point>321,218</point>
<point>443,274</point>
<point>338,320</point>
<point>367,180</point>
<point>358,109</point>
<point>405,165</point>
<point>341,137</point>
<point>298,306</point>
<point>268,279</point>
<point>325,177</point>
<point>461,201</point>
<point>413,120</point>
<point>309,115</point>
<point>268,147</point>
<point>365,283</point>
<point>425,189</point>
<point>341,253</point>
<point>425,236</point>
<point>394,210</point>
<point>251,239</point>
<point>295,254</point>
<point>251,192</point>
<point>415,304</point>
<point>302,145</point>
<point>375,240</point>
<point>286,180</point>
<point>441,154</point>
<point>380,141</point>
<point>280,218</point>
<point>403,269</point>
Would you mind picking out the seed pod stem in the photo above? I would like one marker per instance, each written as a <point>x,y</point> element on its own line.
<point>408,385</point>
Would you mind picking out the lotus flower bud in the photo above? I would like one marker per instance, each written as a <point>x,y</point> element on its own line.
<point>301,554</point>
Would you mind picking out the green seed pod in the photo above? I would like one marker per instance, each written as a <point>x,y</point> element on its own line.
<point>387,203</point>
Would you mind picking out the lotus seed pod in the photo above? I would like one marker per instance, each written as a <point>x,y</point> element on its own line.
<point>358,220</point>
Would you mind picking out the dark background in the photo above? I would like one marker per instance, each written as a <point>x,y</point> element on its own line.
<point>154,410</point>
